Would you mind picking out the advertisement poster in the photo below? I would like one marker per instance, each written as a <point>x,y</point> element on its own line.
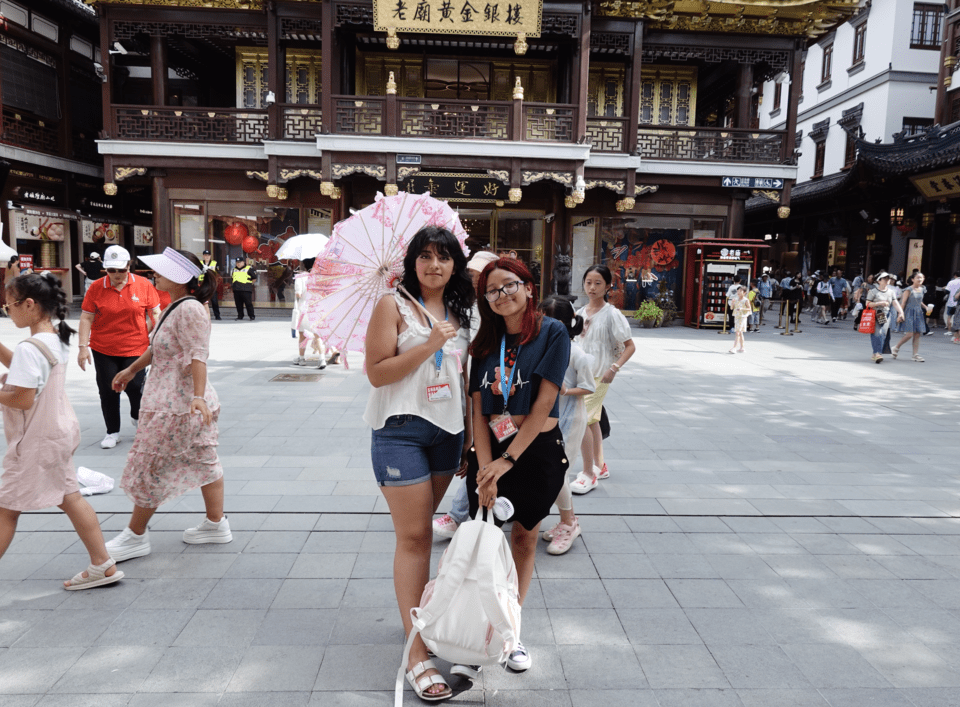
<point>98,232</point>
<point>143,235</point>
<point>640,259</point>
<point>914,254</point>
<point>34,227</point>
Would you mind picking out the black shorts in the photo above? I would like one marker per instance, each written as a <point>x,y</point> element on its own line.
<point>824,300</point>
<point>534,482</point>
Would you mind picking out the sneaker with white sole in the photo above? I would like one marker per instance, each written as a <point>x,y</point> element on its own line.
<point>110,441</point>
<point>445,526</point>
<point>563,537</point>
<point>209,532</point>
<point>547,535</point>
<point>467,672</point>
<point>520,659</point>
<point>128,545</point>
<point>584,484</point>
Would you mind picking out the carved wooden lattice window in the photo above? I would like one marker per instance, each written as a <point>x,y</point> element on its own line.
<point>302,77</point>
<point>850,152</point>
<point>927,26</point>
<point>605,90</point>
<point>668,95</point>
<point>819,157</point>
<point>373,72</point>
<point>859,43</point>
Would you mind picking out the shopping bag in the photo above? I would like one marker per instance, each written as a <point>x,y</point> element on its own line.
<point>868,322</point>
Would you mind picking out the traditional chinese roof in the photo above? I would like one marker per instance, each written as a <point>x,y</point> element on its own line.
<point>936,147</point>
<point>808,191</point>
<point>795,18</point>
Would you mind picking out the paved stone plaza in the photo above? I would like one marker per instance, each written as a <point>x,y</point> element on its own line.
<point>781,529</point>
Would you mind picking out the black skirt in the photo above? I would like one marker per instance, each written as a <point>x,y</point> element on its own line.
<point>534,482</point>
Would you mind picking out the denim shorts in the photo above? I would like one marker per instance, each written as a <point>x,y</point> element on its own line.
<point>409,450</point>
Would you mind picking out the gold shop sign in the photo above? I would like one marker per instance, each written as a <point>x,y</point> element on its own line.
<point>489,17</point>
<point>463,188</point>
<point>934,186</point>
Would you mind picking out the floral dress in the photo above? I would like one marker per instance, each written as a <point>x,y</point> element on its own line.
<point>174,451</point>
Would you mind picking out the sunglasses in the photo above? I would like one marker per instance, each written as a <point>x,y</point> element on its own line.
<point>114,271</point>
<point>6,307</point>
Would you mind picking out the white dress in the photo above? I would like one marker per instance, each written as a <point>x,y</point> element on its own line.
<point>573,410</point>
<point>603,336</point>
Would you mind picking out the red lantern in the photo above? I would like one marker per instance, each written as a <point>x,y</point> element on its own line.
<point>235,233</point>
<point>250,243</point>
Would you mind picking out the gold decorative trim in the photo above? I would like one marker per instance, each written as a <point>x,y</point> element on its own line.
<point>502,174</point>
<point>783,212</point>
<point>528,177</point>
<point>262,176</point>
<point>641,189</point>
<point>391,190</point>
<point>617,186</point>
<point>404,172</point>
<point>626,204</point>
<point>373,170</point>
<point>287,174</point>
<point>515,194</point>
<point>110,189</point>
<point>770,194</point>
<point>121,173</point>
<point>569,201</point>
<point>326,188</point>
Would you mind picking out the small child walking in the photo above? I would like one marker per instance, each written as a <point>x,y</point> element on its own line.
<point>578,382</point>
<point>41,428</point>
<point>742,311</point>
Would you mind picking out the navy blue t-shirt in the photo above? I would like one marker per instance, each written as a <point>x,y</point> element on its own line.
<point>544,358</point>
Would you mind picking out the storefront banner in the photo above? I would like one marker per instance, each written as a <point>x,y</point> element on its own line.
<point>100,232</point>
<point>464,188</point>
<point>944,184</point>
<point>488,17</point>
<point>34,227</point>
<point>143,235</point>
<point>641,260</point>
<point>914,254</point>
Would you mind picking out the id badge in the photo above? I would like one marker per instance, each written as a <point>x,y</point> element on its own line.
<point>503,426</point>
<point>439,391</point>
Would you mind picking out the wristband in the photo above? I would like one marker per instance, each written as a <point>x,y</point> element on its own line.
<point>615,366</point>
<point>84,346</point>
<point>506,455</point>
<point>199,397</point>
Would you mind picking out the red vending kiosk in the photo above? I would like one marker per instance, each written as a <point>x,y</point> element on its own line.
<point>711,265</point>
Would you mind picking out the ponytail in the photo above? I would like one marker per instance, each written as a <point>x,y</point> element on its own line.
<point>205,290</point>
<point>46,290</point>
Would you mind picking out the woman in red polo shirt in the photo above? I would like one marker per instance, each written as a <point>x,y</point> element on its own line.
<point>114,326</point>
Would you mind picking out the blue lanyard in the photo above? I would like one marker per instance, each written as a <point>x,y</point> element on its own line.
<point>438,356</point>
<point>506,384</point>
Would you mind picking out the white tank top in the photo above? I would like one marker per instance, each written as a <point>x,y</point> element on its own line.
<point>408,396</point>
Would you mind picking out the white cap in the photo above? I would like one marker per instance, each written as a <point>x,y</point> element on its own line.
<point>173,265</point>
<point>116,257</point>
<point>480,260</point>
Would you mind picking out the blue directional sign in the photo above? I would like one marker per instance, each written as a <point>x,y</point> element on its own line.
<point>752,182</point>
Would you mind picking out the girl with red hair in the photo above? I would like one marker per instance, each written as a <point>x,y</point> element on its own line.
<point>519,361</point>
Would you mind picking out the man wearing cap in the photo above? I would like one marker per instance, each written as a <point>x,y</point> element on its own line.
<point>243,282</point>
<point>92,270</point>
<point>119,311</point>
<point>209,264</point>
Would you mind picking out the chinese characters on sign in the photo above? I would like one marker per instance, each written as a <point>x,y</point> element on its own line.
<point>493,17</point>
<point>457,187</point>
<point>938,185</point>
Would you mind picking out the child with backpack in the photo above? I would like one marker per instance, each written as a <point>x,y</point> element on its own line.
<point>519,360</point>
<point>41,428</point>
<point>577,383</point>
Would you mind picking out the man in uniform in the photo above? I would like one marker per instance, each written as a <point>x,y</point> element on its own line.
<point>243,282</point>
<point>210,264</point>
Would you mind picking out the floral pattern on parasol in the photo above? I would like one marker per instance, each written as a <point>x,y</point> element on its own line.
<point>364,261</point>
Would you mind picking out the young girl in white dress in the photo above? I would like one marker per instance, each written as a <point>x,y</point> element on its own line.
<point>606,337</point>
<point>577,384</point>
<point>41,428</point>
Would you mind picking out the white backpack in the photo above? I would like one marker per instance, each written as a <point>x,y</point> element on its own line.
<point>469,614</point>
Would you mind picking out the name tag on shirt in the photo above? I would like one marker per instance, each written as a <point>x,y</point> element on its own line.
<point>438,392</point>
<point>503,426</point>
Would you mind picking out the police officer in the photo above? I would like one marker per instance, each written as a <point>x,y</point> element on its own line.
<point>243,282</point>
<point>208,263</point>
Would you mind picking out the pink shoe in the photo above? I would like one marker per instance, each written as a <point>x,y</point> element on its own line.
<point>602,472</point>
<point>548,535</point>
<point>564,537</point>
<point>445,526</point>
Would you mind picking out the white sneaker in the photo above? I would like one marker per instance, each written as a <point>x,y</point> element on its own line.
<point>445,526</point>
<point>136,423</point>
<point>110,441</point>
<point>128,545</point>
<point>209,532</point>
<point>519,660</point>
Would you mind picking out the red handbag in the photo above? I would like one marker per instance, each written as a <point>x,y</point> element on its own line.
<point>868,322</point>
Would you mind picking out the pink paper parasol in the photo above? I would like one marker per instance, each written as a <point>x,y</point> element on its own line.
<point>364,261</point>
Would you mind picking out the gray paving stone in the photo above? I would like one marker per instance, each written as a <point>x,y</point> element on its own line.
<point>757,667</point>
<point>348,668</point>
<point>323,566</point>
<point>703,593</point>
<point>587,627</point>
<point>198,668</point>
<point>261,566</point>
<point>27,670</point>
<point>146,627</point>
<point>167,593</point>
<point>545,673</point>
<point>277,669</point>
<point>693,567</point>
<point>656,627</point>
<point>781,698</point>
<point>832,666</point>
<point>613,698</point>
<point>696,697</point>
<point>264,699</point>
<point>221,627</point>
<point>639,594</point>
<point>242,594</point>
<point>77,700</point>
<point>907,665</point>
<point>16,623</point>
<point>866,698</point>
<point>728,627</point>
<point>685,666</point>
<point>617,566</point>
<point>615,667</point>
<point>290,627</point>
<point>67,629</point>
<point>109,669</point>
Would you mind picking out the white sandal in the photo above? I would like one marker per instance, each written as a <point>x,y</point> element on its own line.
<point>96,577</point>
<point>584,484</point>
<point>421,683</point>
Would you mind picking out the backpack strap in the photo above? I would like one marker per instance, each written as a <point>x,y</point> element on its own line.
<point>42,347</point>
<point>490,546</point>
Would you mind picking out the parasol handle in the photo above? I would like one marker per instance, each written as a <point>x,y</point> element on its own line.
<point>403,290</point>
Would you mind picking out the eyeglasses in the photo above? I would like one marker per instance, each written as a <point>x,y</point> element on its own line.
<point>114,271</point>
<point>6,307</point>
<point>509,289</point>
